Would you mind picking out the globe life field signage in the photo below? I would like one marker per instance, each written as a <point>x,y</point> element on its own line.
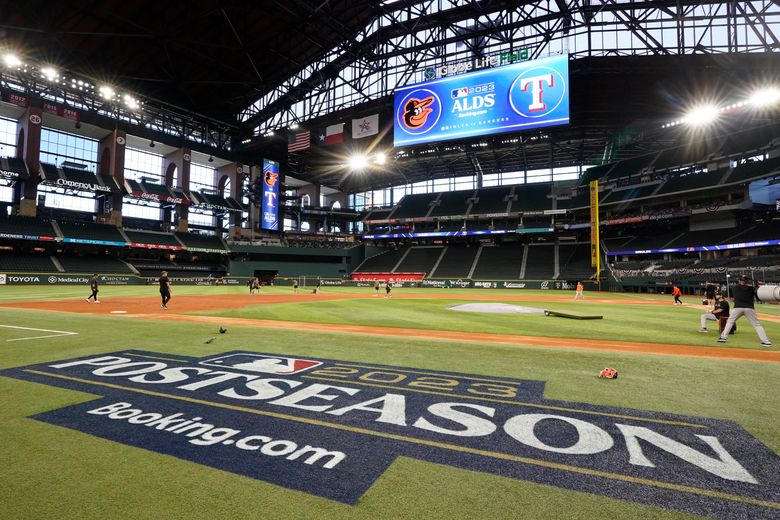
<point>331,428</point>
<point>516,97</point>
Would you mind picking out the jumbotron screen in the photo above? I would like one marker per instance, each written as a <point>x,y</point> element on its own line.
<point>520,96</point>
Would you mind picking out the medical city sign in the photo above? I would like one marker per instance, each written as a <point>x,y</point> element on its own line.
<point>331,428</point>
<point>520,96</point>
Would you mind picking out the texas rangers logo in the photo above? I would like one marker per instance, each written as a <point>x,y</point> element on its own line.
<point>537,92</point>
<point>419,111</point>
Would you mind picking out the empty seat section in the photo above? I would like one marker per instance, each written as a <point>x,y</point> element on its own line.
<point>707,237</point>
<point>452,203</point>
<point>142,237</point>
<point>11,262</point>
<point>191,240</point>
<point>415,205</point>
<point>658,241</point>
<point>693,181</point>
<point>93,264</point>
<point>761,232</point>
<point>14,225</point>
<point>491,200</point>
<point>456,262</point>
<point>634,192</point>
<point>383,262</point>
<point>575,262</point>
<point>420,260</point>
<point>581,200</point>
<point>541,262</point>
<point>754,170</point>
<point>631,166</point>
<point>499,262</point>
<point>532,198</point>
<point>90,231</point>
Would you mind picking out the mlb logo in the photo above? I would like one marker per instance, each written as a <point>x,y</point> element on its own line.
<point>460,92</point>
<point>277,365</point>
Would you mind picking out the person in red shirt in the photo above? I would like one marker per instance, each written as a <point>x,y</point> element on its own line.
<point>579,293</point>
<point>676,292</point>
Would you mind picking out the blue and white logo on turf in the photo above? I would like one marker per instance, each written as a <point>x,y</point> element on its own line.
<point>331,428</point>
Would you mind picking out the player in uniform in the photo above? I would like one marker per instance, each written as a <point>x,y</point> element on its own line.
<point>579,293</point>
<point>719,311</point>
<point>295,286</point>
<point>376,288</point>
<point>388,289</point>
<point>676,292</point>
<point>165,290</point>
<point>254,285</point>
<point>744,297</point>
<point>93,284</point>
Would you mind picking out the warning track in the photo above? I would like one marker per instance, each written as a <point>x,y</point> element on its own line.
<point>148,308</point>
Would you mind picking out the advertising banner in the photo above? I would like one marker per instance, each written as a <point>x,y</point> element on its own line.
<point>515,97</point>
<point>270,209</point>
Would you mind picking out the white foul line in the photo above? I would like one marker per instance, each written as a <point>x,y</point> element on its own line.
<point>59,333</point>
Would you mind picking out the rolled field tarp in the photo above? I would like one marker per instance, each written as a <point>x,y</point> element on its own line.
<point>769,293</point>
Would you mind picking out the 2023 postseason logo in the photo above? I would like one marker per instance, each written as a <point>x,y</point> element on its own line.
<point>331,428</point>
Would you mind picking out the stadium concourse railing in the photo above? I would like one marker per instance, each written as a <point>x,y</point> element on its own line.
<point>26,278</point>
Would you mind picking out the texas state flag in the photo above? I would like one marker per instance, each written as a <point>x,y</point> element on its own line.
<point>332,134</point>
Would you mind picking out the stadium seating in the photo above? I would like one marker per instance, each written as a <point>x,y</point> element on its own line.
<point>754,170</point>
<point>143,237</point>
<point>90,231</point>
<point>532,197</point>
<point>674,264</point>
<point>491,200</point>
<point>692,181</point>
<point>12,262</point>
<point>768,231</point>
<point>634,264</point>
<point>456,262</point>
<point>383,262</point>
<point>93,264</point>
<point>452,203</point>
<point>415,205</point>
<point>500,262</point>
<point>624,194</point>
<point>191,240</point>
<point>420,259</point>
<point>704,238</point>
<point>15,225</point>
<point>633,166</point>
<point>574,262</point>
<point>540,264</point>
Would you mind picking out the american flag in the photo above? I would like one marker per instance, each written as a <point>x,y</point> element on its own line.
<point>298,142</point>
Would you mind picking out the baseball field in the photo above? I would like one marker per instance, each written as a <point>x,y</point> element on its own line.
<point>217,406</point>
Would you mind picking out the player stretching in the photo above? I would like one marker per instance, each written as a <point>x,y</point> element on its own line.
<point>744,295</point>
<point>579,293</point>
<point>93,284</point>
<point>165,290</point>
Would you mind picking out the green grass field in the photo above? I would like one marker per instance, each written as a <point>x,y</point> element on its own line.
<point>53,472</point>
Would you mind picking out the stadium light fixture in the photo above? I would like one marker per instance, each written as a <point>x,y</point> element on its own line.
<point>106,92</point>
<point>380,159</point>
<point>765,97</point>
<point>702,115</point>
<point>11,60</point>
<point>131,102</point>
<point>49,73</point>
<point>358,162</point>
<point>294,126</point>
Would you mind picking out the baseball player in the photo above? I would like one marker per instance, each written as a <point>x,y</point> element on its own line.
<point>744,297</point>
<point>579,293</point>
<point>93,285</point>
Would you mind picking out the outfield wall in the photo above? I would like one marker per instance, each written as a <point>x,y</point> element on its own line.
<point>304,281</point>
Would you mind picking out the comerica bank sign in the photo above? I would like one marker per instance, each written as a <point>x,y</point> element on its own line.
<point>331,428</point>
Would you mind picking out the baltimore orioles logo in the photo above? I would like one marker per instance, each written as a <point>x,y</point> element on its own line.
<point>270,179</point>
<point>416,112</point>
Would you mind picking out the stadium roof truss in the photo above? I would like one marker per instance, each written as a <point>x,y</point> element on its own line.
<point>407,36</point>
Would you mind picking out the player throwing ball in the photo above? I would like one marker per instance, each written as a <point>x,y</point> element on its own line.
<point>388,289</point>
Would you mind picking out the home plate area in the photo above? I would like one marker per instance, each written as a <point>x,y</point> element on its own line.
<point>331,428</point>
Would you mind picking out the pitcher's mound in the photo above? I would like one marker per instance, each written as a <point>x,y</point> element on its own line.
<point>496,308</point>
